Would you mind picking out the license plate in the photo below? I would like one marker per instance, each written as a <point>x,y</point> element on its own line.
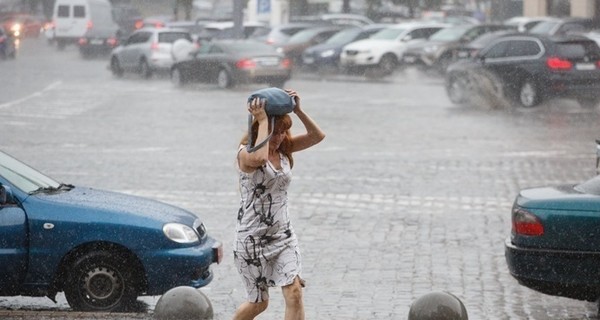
<point>96,41</point>
<point>585,66</point>
<point>268,62</point>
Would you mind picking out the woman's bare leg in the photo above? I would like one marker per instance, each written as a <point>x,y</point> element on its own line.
<point>294,305</point>
<point>248,311</point>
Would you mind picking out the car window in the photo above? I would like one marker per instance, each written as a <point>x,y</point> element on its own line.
<point>448,34</point>
<point>388,34</point>
<point>344,36</point>
<point>497,50</point>
<point>423,33</point>
<point>523,48</point>
<point>570,28</point>
<point>544,27</point>
<point>22,176</point>
<point>79,11</point>
<point>577,50</point>
<point>170,37</point>
<point>63,11</point>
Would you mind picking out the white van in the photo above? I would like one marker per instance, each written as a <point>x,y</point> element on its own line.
<point>72,18</point>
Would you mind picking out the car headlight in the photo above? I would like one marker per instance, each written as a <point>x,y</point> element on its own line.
<point>327,53</point>
<point>180,233</point>
<point>279,50</point>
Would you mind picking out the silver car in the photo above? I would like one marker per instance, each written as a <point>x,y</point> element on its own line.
<point>146,51</point>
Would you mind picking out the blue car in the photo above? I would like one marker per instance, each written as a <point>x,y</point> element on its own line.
<point>554,246</point>
<point>103,249</point>
<point>327,54</point>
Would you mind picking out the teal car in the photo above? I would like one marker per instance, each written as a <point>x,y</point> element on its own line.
<point>103,249</point>
<point>554,246</point>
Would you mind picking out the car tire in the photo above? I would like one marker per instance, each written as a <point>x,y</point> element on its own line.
<point>224,80</point>
<point>388,64</point>
<point>456,88</point>
<point>589,102</point>
<point>177,78</point>
<point>100,281</point>
<point>145,71</point>
<point>443,63</point>
<point>115,67</point>
<point>528,95</point>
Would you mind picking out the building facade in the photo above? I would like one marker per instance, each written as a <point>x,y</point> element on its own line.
<point>578,8</point>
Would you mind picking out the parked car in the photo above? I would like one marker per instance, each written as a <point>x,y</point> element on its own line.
<point>384,50</point>
<point>553,245</point>
<point>297,43</point>
<point>225,30</point>
<point>345,19</point>
<point>594,35</point>
<point>99,41</point>
<point>563,26</point>
<point>327,54</point>
<point>437,51</point>
<point>531,68</point>
<point>8,47</point>
<point>524,24</point>
<point>194,27</point>
<point>471,49</point>
<point>128,17</point>
<point>22,25</point>
<point>280,34</point>
<point>103,249</point>
<point>231,62</point>
<point>146,51</point>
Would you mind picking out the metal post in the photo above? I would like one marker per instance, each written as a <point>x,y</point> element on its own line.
<point>238,19</point>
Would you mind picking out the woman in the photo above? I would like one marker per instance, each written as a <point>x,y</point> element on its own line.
<point>266,249</point>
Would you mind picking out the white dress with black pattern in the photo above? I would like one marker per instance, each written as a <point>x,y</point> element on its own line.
<point>266,251</point>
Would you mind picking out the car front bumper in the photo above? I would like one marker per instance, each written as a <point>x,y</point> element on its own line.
<point>564,273</point>
<point>190,266</point>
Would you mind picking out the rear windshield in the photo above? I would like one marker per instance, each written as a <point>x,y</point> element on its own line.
<point>576,50</point>
<point>63,11</point>
<point>170,37</point>
<point>249,47</point>
<point>544,27</point>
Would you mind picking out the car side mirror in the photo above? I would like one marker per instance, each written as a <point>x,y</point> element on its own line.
<point>5,195</point>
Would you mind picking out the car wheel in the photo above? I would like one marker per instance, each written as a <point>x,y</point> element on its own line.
<point>145,70</point>
<point>224,80</point>
<point>589,102</point>
<point>100,281</point>
<point>528,94</point>
<point>442,64</point>
<point>456,88</point>
<point>177,78</point>
<point>115,67</point>
<point>388,64</point>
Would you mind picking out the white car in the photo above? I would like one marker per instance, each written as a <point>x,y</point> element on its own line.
<point>384,50</point>
<point>146,51</point>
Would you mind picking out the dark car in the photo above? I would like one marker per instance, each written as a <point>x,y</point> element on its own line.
<point>231,62</point>
<point>437,51</point>
<point>98,41</point>
<point>327,54</point>
<point>127,17</point>
<point>8,47</point>
<point>299,42</point>
<point>554,246</point>
<point>531,68</point>
<point>563,26</point>
<point>102,248</point>
<point>470,49</point>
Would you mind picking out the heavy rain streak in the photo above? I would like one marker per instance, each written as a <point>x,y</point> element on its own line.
<point>444,156</point>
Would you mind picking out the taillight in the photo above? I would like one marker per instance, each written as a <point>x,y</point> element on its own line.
<point>270,41</point>
<point>89,25</point>
<point>286,63</point>
<point>2,39</point>
<point>159,25</point>
<point>598,64</point>
<point>245,64</point>
<point>82,41</point>
<point>139,24</point>
<point>555,63</point>
<point>526,223</point>
<point>154,46</point>
<point>112,42</point>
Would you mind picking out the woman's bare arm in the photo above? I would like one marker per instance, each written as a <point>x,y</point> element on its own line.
<point>313,134</point>
<point>250,161</point>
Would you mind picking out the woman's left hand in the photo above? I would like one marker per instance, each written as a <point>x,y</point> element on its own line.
<point>296,98</point>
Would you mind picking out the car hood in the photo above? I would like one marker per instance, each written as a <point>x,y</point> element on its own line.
<point>115,204</point>
<point>563,197</point>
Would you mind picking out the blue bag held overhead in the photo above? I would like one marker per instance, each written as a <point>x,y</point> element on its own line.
<point>278,102</point>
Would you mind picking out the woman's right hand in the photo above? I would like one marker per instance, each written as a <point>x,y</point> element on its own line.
<point>257,108</point>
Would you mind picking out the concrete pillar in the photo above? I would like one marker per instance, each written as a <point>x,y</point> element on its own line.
<point>535,8</point>
<point>583,8</point>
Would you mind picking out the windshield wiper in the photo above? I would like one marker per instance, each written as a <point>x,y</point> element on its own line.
<point>61,187</point>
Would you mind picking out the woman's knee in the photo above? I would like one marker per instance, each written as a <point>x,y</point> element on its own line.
<point>293,292</point>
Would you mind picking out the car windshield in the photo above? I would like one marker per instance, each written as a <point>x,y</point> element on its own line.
<point>544,27</point>
<point>591,186</point>
<point>449,34</point>
<point>344,36</point>
<point>388,34</point>
<point>253,47</point>
<point>24,177</point>
<point>170,37</point>
<point>303,36</point>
